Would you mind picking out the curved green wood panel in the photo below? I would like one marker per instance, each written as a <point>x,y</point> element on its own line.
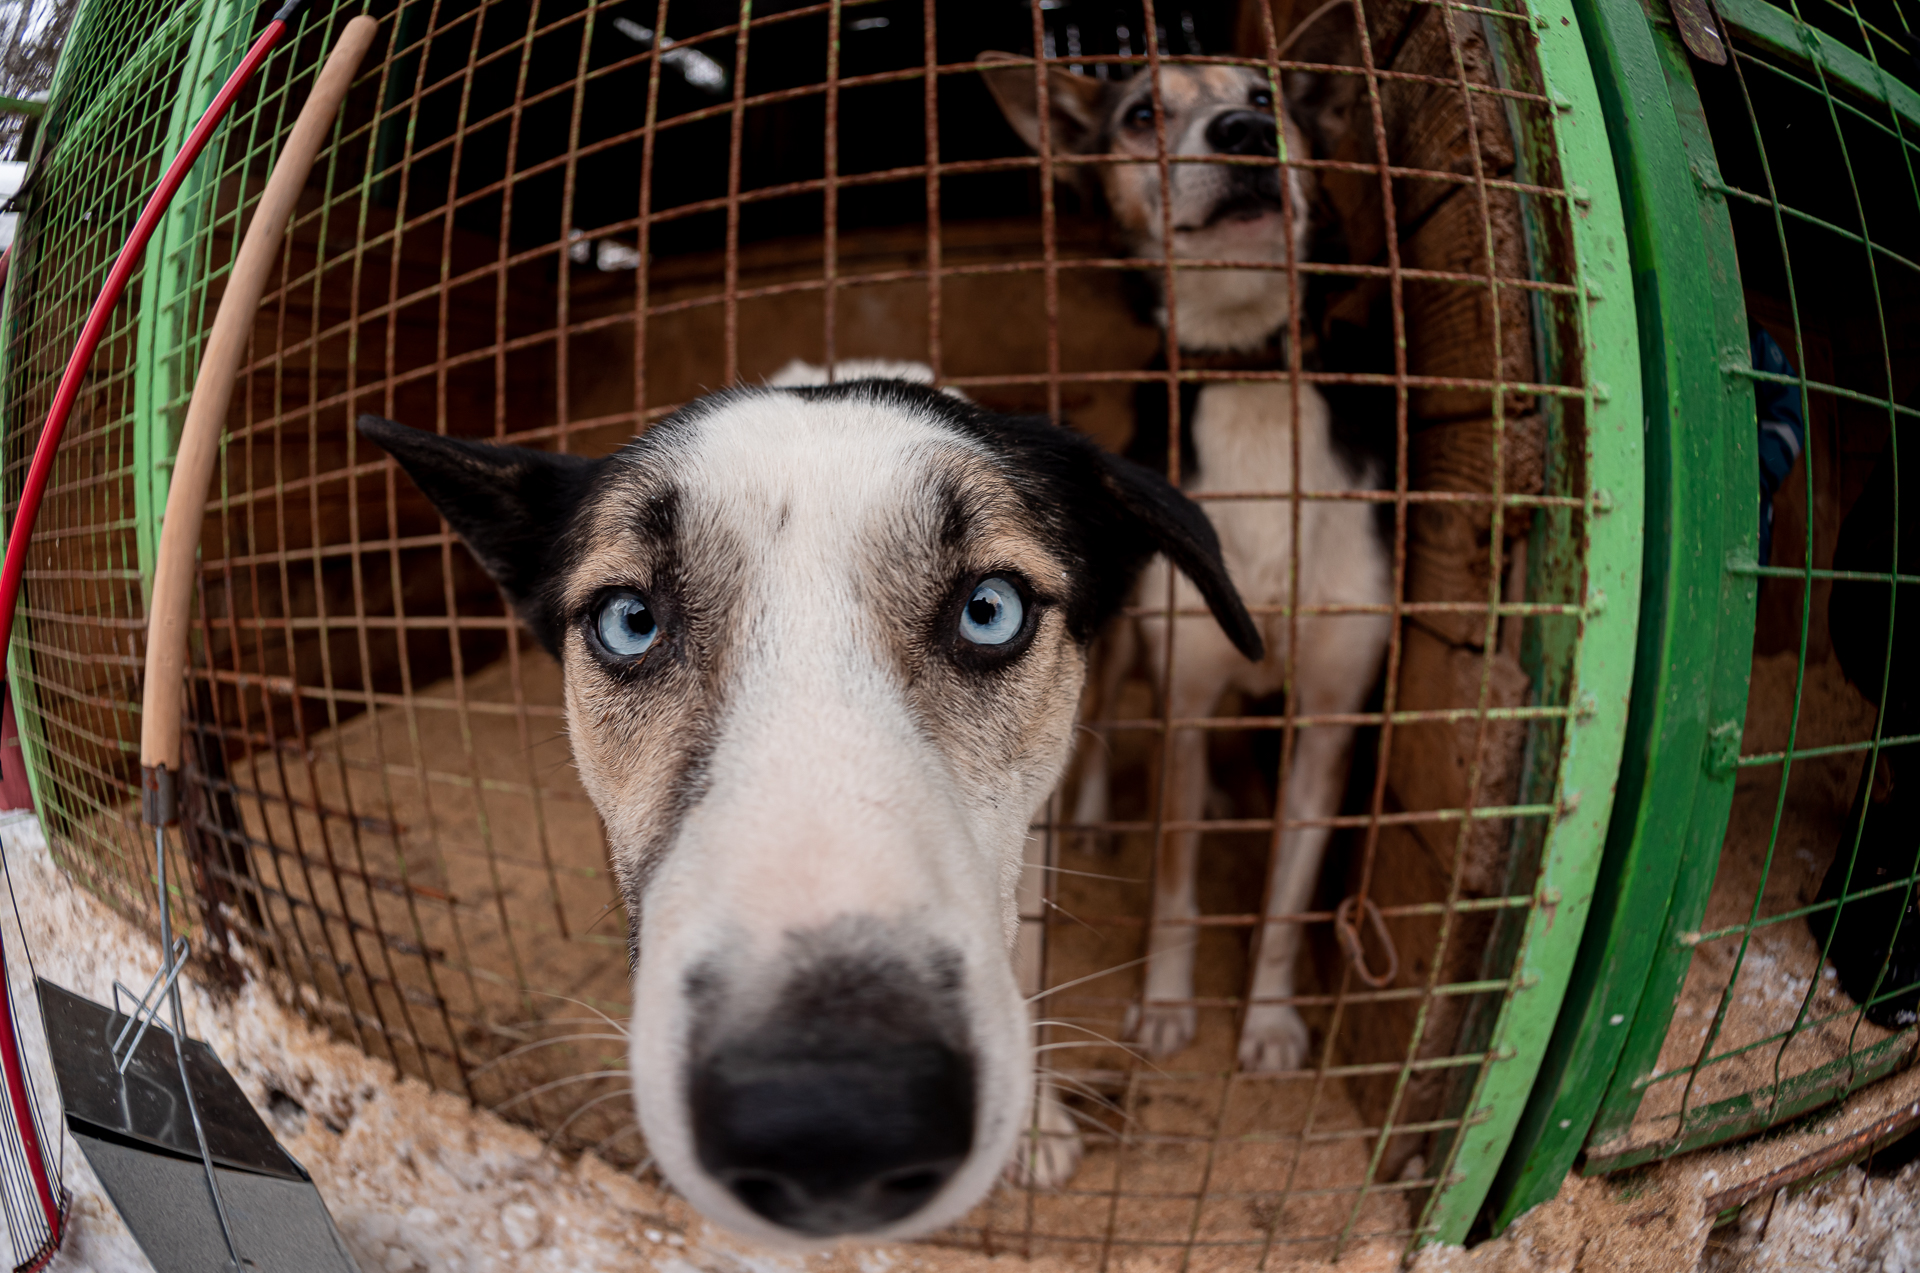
<point>1696,618</point>
<point>1603,664</point>
<point>171,325</point>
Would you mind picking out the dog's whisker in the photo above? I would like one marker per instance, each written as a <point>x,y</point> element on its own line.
<point>1102,1041</point>
<point>1106,743</point>
<point>604,912</point>
<point>630,1128</point>
<point>1053,905</point>
<point>570,1119</point>
<point>1091,875</point>
<point>1070,1024</point>
<point>528,1023</point>
<point>535,1046</point>
<point>532,1092</point>
<point>1088,1091</point>
<point>1084,1119</point>
<point>1081,981</point>
<point>621,1026</point>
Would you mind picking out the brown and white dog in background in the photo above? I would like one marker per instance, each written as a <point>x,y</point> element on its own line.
<point>1242,439</point>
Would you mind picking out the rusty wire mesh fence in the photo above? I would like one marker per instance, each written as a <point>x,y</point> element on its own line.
<point>550,222</point>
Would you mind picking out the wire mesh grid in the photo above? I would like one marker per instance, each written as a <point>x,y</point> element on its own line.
<point>1802,977</point>
<point>551,223</point>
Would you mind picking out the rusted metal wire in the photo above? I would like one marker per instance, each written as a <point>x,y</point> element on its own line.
<point>385,808</point>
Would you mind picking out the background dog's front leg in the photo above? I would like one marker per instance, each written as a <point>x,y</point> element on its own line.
<point>1089,779</point>
<point>1273,1035</point>
<point>1164,1021</point>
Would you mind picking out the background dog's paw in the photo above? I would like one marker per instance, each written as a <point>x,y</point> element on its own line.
<point>1049,1153</point>
<point>1160,1029</point>
<point>1274,1038</point>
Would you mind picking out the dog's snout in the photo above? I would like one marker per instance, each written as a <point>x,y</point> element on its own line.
<point>836,1139</point>
<point>1243,132</point>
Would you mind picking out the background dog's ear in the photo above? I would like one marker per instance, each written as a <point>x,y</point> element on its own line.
<point>508,503</point>
<point>1075,101</point>
<point>1322,103</point>
<point>1176,526</point>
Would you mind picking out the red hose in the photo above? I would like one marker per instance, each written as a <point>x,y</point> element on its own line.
<point>36,485</point>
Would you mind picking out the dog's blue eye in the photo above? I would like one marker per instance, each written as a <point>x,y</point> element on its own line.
<point>626,625</point>
<point>993,614</point>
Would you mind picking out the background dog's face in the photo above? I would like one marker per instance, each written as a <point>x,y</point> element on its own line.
<point>1235,210</point>
<point>1231,211</point>
<point>822,650</point>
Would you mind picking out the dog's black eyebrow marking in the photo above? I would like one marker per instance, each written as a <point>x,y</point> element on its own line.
<point>956,517</point>
<point>658,516</point>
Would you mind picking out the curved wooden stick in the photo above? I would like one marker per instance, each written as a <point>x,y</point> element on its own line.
<point>171,611</point>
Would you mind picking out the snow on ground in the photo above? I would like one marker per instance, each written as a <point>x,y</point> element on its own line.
<point>1855,1221</point>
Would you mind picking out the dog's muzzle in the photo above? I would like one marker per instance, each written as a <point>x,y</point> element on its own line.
<point>1249,192</point>
<point>845,1102</point>
<point>825,1132</point>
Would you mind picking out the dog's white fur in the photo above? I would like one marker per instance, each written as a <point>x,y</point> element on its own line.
<point>1244,436</point>
<point>790,837</point>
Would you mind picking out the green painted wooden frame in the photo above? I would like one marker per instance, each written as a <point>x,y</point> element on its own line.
<point>1696,618</point>
<point>1603,572</point>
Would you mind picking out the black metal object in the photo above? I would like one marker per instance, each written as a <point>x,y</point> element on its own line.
<point>145,1104</point>
<point>282,1225</point>
<point>137,1128</point>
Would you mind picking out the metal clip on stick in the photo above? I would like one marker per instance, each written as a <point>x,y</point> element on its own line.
<point>170,971</point>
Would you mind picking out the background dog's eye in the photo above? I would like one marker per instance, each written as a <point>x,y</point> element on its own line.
<point>1140,116</point>
<point>1262,98</point>
<point>993,614</point>
<point>626,625</point>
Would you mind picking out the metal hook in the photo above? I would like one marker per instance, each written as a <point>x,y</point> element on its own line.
<point>1348,932</point>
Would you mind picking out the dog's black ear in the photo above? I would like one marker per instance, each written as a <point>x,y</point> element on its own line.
<point>1176,526</point>
<point>1322,103</point>
<point>508,503</point>
<point>1076,103</point>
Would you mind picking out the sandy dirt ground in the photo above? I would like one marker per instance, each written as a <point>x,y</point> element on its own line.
<point>418,1180</point>
<point>1782,979</point>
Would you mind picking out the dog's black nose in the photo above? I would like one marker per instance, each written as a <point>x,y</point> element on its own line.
<point>1243,133</point>
<point>834,1139</point>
